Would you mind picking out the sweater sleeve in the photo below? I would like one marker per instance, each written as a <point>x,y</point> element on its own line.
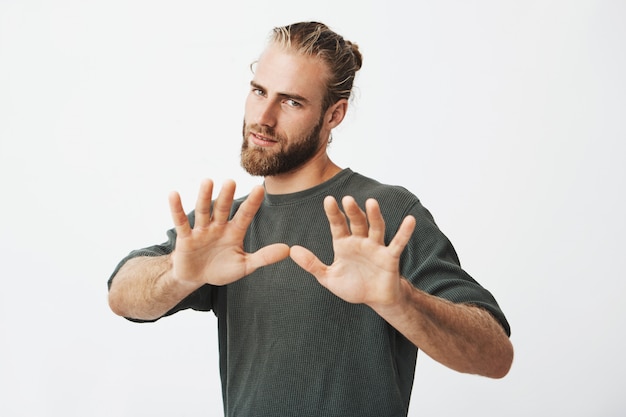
<point>429,261</point>
<point>431,264</point>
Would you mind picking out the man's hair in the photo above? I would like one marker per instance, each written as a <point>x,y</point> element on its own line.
<point>316,39</point>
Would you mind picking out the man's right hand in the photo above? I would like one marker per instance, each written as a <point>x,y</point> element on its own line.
<point>212,251</point>
<point>147,287</point>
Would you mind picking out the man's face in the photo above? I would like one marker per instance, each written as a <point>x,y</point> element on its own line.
<point>284,123</point>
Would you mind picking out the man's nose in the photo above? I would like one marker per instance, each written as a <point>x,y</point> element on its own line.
<point>266,113</point>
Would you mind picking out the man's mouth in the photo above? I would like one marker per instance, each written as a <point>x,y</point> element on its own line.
<point>261,140</point>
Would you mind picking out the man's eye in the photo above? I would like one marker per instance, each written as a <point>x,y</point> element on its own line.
<point>258,92</point>
<point>292,103</point>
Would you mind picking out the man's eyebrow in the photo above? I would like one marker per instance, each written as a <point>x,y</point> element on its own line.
<point>291,96</point>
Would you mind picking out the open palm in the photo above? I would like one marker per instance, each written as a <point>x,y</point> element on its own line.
<point>212,251</point>
<point>364,270</point>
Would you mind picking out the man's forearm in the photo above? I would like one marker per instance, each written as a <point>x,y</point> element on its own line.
<point>144,288</point>
<point>463,337</point>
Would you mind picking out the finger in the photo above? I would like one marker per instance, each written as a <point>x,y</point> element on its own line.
<point>267,255</point>
<point>248,209</point>
<point>403,235</point>
<point>203,204</point>
<point>356,216</point>
<point>179,217</point>
<point>337,220</point>
<point>223,203</point>
<point>308,261</point>
<point>376,221</point>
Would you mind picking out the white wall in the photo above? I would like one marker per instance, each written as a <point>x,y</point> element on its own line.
<point>506,118</point>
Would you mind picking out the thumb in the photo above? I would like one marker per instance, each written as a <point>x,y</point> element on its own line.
<point>267,255</point>
<point>307,260</point>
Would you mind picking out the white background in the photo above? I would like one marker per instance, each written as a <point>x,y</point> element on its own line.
<point>505,117</point>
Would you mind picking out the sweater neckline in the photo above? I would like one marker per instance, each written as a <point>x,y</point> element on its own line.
<point>299,196</point>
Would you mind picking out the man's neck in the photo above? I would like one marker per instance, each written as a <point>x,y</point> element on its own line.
<point>312,173</point>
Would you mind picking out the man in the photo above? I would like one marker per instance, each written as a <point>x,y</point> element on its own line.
<point>324,282</point>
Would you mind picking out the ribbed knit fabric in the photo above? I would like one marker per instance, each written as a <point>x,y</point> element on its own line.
<point>289,347</point>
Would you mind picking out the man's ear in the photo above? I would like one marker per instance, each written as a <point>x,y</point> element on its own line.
<point>336,113</point>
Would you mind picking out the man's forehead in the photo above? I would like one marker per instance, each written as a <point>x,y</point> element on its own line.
<point>286,71</point>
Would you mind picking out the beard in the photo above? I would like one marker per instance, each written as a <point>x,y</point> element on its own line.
<point>269,162</point>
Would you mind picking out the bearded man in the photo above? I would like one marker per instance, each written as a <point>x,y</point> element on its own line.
<point>325,283</point>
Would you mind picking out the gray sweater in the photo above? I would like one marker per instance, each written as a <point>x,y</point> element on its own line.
<point>289,347</point>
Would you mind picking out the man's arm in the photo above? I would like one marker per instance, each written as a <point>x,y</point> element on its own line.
<point>463,337</point>
<point>144,288</point>
<point>209,253</point>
